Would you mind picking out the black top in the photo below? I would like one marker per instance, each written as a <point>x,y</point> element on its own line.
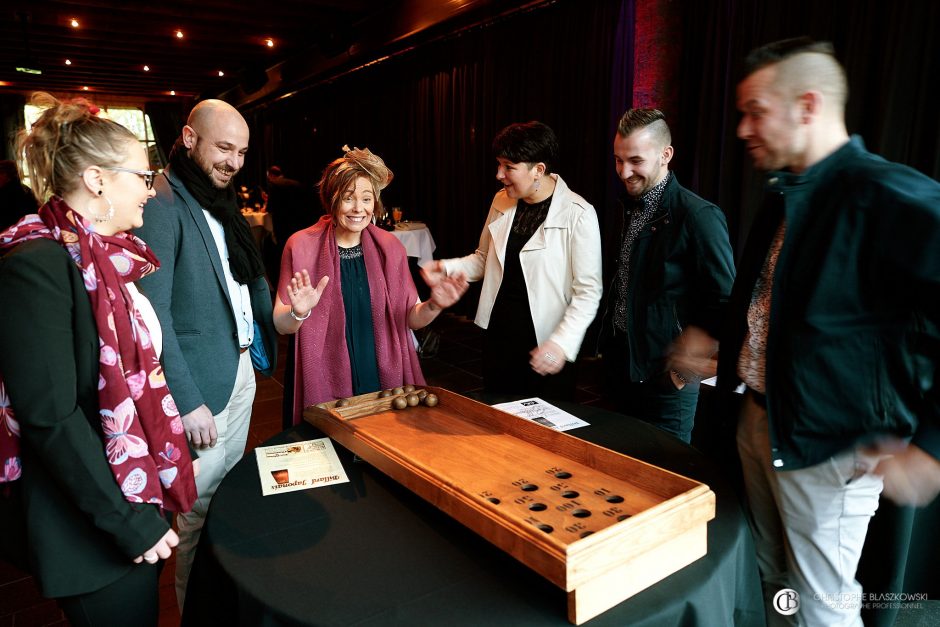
<point>360,338</point>
<point>512,301</point>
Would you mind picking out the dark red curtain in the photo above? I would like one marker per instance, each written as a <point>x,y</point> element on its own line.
<point>432,112</point>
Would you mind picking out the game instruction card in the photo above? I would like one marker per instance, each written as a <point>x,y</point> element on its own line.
<point>298,466</point>
<point>546,414</point>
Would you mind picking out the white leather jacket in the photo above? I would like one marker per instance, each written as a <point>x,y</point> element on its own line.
<point>561,264</point>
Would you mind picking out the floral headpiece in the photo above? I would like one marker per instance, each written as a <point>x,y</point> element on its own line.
<point>372,164</point>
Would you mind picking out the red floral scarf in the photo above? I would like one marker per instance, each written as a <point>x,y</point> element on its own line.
<point>142,430</point>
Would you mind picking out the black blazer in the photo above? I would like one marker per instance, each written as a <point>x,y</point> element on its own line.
<point>81,533</point>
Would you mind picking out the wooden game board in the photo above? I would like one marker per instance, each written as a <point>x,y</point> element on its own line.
<point>598,524</point>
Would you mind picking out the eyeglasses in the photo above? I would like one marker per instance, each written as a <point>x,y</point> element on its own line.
<point>147,175</point>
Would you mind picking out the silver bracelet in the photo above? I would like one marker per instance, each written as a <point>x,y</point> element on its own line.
<point>300,318</point>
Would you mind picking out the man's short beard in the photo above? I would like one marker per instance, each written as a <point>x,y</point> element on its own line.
<point>215,183</point>
<point>191,154</point>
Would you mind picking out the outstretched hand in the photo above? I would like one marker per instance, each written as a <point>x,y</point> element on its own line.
<point>302,294</point>
<point>447,290</point>
<point>433,273</point>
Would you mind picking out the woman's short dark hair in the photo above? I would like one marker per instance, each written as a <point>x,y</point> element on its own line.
<point>527,142</point>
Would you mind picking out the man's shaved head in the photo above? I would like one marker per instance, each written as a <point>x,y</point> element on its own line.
<point>216,138</point>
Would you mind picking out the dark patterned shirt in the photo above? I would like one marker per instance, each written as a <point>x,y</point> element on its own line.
<point>752,361</point>
<point>645,208</point>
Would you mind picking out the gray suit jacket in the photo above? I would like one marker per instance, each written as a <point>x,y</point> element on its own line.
<point>189,294</point>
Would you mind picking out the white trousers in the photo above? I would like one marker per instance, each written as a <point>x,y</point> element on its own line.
<point>809,526</point>
<point>232,426</point>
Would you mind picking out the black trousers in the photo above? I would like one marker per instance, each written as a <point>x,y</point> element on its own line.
<point>506,368</point>
<point>134,599</point>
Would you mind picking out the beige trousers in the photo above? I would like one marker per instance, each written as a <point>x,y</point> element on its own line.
<point>809,527</point>
<point>232,426</point>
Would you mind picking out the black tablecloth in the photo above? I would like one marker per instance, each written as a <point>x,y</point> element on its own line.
<point>369,552</point>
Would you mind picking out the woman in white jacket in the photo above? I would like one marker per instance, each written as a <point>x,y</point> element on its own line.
<point>540,261</point>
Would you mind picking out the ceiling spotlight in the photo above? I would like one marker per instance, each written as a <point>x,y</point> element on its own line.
<point>68,62</point>
<point>221,73</point>
<point>179,34</point>
<point>146,68</point>
<point>172,92</point>
<point>74,23</point>
<point>85,88</point>
<point>269,42</point>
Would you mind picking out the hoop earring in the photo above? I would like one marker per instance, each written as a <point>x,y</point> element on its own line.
<point>107,215</point>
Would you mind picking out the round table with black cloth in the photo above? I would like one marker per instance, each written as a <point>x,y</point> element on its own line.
<point>370,552</point>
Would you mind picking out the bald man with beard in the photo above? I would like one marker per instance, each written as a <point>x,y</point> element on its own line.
<point>212,300</point>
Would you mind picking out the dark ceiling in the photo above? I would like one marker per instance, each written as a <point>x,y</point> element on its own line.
<point>114,40</point>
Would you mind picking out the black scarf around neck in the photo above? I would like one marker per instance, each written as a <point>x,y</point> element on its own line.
<point>244,259</point>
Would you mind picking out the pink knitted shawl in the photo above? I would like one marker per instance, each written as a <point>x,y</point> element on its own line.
<point>322,360</point>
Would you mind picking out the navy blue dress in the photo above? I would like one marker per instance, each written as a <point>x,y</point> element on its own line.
<point>360,338</point>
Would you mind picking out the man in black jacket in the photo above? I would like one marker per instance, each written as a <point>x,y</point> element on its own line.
<point>833,328</point>
<point>674,275</point>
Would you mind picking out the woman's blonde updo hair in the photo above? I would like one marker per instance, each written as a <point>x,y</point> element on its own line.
<point>66,139</point>
<point>341,174</point>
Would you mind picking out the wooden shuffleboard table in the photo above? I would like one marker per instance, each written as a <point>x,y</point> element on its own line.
<point>598,524</point>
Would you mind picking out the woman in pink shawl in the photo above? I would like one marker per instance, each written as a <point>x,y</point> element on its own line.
<point>354,326</point>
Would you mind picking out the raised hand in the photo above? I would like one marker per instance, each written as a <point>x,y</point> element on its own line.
<point>304,296</point>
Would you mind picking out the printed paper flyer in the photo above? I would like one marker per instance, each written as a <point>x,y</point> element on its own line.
<point>546,414</point>
<point>298,466</point>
